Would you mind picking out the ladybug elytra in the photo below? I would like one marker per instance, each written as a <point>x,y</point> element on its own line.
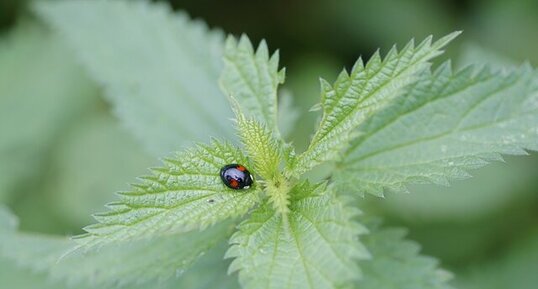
<point>236,176</point>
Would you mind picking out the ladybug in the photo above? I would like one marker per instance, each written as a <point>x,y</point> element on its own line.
<point>236,176</point>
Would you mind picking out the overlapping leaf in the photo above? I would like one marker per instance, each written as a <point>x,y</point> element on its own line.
<point>111,158</point>
<point>314,246</point>
<point>186,194</point>
<point>357,95</point>
<point>447,123</point>
<point>42,90</point>
<point>15,277</point>
<point>263,148</point>
<point>288,113</point>
<point>159,69</point>
<point>252,77</point>
<point>158,262</point>
<point>396,263</point>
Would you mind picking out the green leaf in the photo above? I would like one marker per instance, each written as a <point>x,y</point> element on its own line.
<point>159,69</point>
<point>252,78</point>
<point>111,158</point>
<point>490,192</point>
<point>8,222</point>
<point>396,263</point>
<point>315,245</point>
<point>446,124</point>
<point>42,91</point>
<point>157,262</point>
<point>355,96</point>
<point>474,54</point>
<point>209,272</point>
<point>263,148</point>
<point>288,114</point>
<point>15,277</point>
<point>184,195</point>
<point>266,151</point>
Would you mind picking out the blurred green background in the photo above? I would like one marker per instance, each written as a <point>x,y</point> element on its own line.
<point>53,118</point>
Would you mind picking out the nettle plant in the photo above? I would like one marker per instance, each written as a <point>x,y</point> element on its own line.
<point>386,123</point>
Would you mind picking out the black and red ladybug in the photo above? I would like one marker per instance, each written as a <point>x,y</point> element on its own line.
<point>236,176</point>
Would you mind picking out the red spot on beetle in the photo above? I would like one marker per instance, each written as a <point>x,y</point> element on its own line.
<point>234,183</point>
